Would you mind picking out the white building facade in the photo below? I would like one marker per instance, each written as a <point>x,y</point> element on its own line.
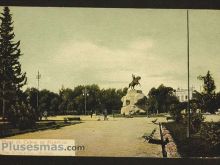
<point>182,94</point>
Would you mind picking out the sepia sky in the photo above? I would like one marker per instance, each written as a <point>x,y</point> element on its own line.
<point>73,46</point>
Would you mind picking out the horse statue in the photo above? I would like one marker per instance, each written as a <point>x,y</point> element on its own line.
<point>134,82</point>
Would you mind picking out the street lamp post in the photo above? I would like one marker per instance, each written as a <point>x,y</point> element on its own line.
<point>85,93</point>
<point>188,99</point>
<point>38,84</point>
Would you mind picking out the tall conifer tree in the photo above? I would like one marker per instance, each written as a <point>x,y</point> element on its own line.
<point>11,76</point>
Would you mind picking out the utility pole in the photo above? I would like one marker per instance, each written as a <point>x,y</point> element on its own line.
<point>85,93</point>
<point>85,100</point>
<point>38,85</point>
<point>188,101</point>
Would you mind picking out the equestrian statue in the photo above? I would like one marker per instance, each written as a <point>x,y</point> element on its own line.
<point>134,82</point>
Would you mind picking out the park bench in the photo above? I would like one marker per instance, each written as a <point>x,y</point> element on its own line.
<point>50,123</point>
<point>148,136</point>
<point>169,118</point>
<point>66,119</point>
<point>128,116</point>
<point>154,121</point>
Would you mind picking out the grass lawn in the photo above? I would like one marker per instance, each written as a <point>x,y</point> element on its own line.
<point>210,118</point>
<point>193,147</point>
<point>8,130</point>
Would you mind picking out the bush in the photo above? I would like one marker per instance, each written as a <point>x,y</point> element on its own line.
<point>210,133</point>
<point>175,111</point>
<point>196,120</point>
<point>177,116</point>
<point>21,116</point>
<point>206,143</point>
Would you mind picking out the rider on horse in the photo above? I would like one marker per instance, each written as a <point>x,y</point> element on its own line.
<point>135,81</point>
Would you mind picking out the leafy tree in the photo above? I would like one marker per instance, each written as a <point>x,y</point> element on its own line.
<point>69,99</point>
<point>93,98</point>
<point>161,98</point>
<point>62,107</point>
<point>11,76</point>
<point>197,97</point>
<point>111,99</point>
<point>79,104</point>
<point>122,92</point>
<point>175,110</point>
<point>218,100</point>
<point>49,102</point>
<point>70,107</point>
<point>152,105</point>
<point>78,90</point>
<point>196,120</point>
<point>142,103</point>
<point>66,94</point>
<point>54,105</point>
<point>31,96</point>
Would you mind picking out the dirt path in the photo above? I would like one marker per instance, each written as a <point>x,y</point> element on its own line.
<point>115,137</point>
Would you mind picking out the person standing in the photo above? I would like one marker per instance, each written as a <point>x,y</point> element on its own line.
<point>105,114</point>
<point>45,115</point>
<point>91,113</point>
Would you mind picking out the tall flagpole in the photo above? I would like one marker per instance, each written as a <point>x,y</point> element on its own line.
<point>188,103</point>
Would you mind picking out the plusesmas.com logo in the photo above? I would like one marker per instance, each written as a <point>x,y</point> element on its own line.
<point>41,147</point>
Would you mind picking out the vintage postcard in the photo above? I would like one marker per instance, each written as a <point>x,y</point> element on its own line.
<point>109,82</point>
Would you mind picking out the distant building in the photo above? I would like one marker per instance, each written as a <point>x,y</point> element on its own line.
<point>182,94</point>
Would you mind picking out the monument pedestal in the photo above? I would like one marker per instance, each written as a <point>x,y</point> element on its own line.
<point>129,102</point>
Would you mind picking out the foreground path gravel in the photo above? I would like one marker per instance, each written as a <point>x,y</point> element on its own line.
<point>117,137</point>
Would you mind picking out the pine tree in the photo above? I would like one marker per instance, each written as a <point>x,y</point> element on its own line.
<point>209,83</point>
<point>11,76</point>
<point>208,97</point>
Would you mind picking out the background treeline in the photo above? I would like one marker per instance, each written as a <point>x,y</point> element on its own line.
<point>72,101</point>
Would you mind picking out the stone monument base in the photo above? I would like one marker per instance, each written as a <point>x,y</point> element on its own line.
<point>129,102</point>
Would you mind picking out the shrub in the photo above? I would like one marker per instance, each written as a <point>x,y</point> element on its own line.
<point>175,111</point>
<point>210,133</point>
<point>196,120</point>
<point>177,115</point>
<point>21,116</point>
